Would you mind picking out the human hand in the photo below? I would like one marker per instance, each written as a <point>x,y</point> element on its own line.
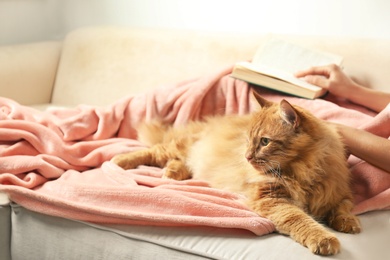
<point>330,77</point>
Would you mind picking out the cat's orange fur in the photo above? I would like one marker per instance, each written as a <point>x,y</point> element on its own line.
<point>290,166</point>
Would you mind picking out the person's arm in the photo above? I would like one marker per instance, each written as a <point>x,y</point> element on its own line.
<point>332,78</point>
<point>369,147</point>
<point>370,98</point>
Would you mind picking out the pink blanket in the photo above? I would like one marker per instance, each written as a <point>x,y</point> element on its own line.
<point>57,162</point>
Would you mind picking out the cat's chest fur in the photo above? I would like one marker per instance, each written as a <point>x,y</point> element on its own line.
<point>218,156</point>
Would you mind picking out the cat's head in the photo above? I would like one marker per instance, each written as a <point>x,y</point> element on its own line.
<point>278,136</point>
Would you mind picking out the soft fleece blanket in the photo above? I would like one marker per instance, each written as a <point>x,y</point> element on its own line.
<point>57,162</point>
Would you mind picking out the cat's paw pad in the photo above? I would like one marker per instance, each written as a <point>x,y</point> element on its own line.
<point>324,245</point>
<point>346,224</point>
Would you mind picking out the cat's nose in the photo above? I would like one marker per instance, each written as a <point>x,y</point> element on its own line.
<point>249,157</point>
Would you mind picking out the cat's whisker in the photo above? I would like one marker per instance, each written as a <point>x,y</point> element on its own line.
<point>269,167</point>
<point>273,167</point>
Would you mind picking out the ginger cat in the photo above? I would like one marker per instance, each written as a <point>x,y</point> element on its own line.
<point>289,165</point>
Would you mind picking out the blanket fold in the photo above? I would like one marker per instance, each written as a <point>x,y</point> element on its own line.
<point>57,162</point>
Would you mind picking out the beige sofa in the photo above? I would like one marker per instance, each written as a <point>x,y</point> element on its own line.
<point>97,66</point>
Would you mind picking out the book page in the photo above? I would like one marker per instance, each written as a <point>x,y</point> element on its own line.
<point>290,58</point>
<point>283,75</point>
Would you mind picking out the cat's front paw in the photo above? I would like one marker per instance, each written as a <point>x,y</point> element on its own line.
<point>346,223</point>
<point>124,161</point>
<point>323,244</point>
<point>176,170</point>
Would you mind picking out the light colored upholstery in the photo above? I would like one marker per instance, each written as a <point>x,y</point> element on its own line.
<point>28,71</point>
<point>100,65</point>
<point>38,236</point>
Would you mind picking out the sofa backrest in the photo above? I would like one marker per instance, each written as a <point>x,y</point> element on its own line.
<point>28,71</point>
<point>102,64</point>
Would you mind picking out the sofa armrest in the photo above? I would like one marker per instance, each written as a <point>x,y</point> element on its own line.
<point>28,71</point>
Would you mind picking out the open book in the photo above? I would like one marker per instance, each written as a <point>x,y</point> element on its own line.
<point>275,63</point>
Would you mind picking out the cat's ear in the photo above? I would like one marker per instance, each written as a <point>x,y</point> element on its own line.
<point>289,114</point>
<point>262,101</point>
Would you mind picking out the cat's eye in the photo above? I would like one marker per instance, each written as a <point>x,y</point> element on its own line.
<point>264,141</point>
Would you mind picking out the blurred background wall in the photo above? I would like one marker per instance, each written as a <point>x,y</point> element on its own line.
<point>37,20</point>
